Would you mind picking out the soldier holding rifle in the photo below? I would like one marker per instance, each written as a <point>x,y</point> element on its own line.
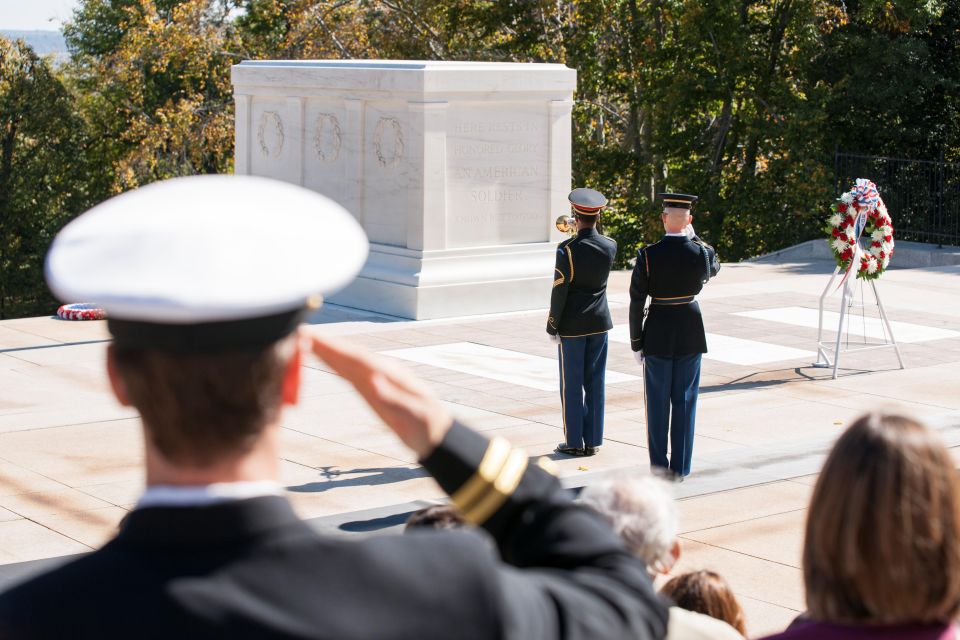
<point>670,342</point>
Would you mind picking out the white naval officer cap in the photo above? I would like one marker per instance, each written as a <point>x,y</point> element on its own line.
<point>207,263</point>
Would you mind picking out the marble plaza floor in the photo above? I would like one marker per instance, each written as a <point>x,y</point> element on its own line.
<point>70,456</point>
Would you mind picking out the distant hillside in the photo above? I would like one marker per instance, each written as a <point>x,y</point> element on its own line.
<point>43,42</point>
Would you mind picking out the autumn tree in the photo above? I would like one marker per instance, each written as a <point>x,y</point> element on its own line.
<point>155,76</point>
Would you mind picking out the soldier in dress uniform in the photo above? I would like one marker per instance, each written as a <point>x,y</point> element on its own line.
<point>670,342</point>
<point>205,281</point>
<point>578,322</point>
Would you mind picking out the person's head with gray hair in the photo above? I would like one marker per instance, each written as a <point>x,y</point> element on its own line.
<point>642,512</point>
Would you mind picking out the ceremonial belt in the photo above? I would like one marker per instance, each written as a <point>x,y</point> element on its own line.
<point>669,301</point>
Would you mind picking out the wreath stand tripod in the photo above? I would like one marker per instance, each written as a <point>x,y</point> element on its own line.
<point>834,349</point>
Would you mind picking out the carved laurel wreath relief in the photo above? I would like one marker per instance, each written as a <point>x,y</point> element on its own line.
<point>270,134</point>
<point>326,138</point>
<point>388,142</point>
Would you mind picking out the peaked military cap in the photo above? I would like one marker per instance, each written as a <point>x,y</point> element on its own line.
<point>587,202</point>
<point>207,263</point>
<point>677,200</point>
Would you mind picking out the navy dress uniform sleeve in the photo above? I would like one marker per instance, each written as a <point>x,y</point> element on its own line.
<point>639,290</point>
<point>252,569</point>
<point>568,575</point>
<point>563,273</point>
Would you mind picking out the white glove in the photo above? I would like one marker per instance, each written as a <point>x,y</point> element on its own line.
<point>689,231</point>
<point>638,356</point>
<point>555,339</point>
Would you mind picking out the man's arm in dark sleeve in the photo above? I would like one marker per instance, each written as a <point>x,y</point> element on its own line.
<point>571,578</point>
<point>562,275</point>
<point>638,299</point>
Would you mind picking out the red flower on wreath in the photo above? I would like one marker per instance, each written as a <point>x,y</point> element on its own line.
<point>842,208</point>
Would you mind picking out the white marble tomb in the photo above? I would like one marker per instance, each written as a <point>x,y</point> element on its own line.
<point>456,170</point>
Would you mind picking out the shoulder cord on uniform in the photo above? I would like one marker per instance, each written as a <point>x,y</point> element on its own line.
<point>706,261</point>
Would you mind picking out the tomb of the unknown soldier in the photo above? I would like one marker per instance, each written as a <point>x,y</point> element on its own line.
<point>456,171</point>
<point>595,324</point>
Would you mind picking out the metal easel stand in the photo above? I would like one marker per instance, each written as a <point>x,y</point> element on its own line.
<point>828,353</point>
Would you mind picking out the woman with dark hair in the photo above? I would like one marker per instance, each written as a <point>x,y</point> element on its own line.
<point>707,593</point>
<point>881,557</point>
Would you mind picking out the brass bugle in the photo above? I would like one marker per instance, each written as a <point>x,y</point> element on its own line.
<point>567,224</point>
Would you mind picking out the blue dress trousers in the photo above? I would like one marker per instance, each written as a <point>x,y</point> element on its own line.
<point>671,336</point>
<point>583,365</point>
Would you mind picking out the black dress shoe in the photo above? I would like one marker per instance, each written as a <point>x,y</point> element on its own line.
<point>591,451</point>
<point>563,447</point>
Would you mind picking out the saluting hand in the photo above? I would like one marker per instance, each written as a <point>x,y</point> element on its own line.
<point>401,400</point>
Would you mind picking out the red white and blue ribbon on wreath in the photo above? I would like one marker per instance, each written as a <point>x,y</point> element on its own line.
<point>859,210</point>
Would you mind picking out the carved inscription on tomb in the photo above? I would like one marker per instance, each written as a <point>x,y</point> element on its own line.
<point>497,182</point>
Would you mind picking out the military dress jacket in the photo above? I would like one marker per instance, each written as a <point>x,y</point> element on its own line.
<point>252,569</point>
<point>578,303</point>
<point>671,272</point>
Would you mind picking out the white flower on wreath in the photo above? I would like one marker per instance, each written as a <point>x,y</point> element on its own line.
<point>877,235</point>
<point>846,198</point>
<point>875,251</point>
<point>872,265</point>
<point>886,261</point>
<point>839,245</point>
<point>835,220</point>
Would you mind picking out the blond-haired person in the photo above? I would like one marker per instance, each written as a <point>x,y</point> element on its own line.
<point>881,557</point>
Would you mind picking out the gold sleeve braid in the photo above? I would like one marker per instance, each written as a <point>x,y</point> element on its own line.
<point>495,480</point>
<point>559,280</point>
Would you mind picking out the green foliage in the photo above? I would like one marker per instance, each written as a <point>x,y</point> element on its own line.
<point>46,176</point>
<point>742,102</point>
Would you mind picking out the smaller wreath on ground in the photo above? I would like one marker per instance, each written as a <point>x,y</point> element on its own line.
<point>81,311</point>
<point>845,232</point>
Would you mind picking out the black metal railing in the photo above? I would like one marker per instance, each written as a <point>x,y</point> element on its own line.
<point>923,196</point>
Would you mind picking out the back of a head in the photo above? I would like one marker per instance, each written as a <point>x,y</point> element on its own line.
<point>707,593</point>
<point>641,511</point>
<point>883,529</point>
<point>200,407</point>
<point>202,309</point>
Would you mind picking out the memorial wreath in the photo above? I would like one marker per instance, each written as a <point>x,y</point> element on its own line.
<point>81,311</point>
<point>861,211</point>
